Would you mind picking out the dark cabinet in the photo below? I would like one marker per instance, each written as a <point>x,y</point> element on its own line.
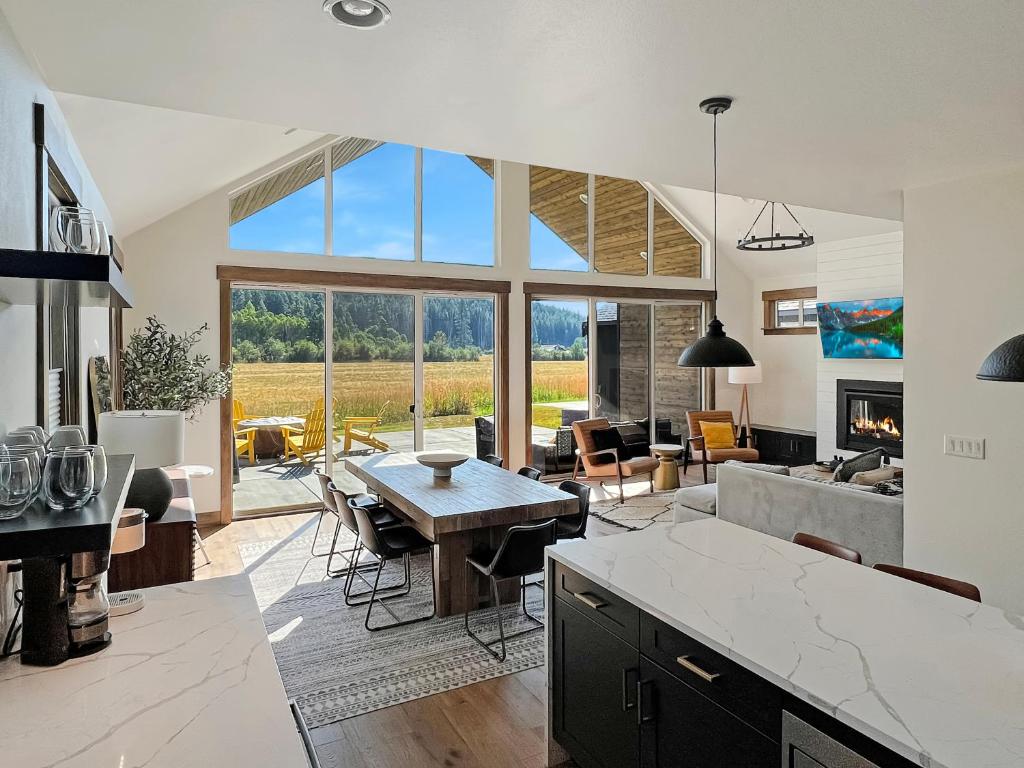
<point>792,447</point>
<point>595,678</point>
<point>804,746</point>
<point>681,728</point>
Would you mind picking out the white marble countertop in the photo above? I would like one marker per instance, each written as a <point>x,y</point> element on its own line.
<point>190,680</point>
<point>934,677</point>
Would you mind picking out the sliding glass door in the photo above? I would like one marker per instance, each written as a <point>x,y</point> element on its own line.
<point>457,401</point>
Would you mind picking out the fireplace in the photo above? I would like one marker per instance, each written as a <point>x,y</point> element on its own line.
<point>869,414</point>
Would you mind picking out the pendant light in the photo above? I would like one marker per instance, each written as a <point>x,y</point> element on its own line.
<point>1005,362</point>
<point>715,349</point>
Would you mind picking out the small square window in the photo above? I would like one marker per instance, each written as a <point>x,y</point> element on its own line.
<point>791,311</point>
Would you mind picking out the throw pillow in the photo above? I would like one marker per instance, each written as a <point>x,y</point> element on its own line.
<point>892,487</point>
<point>604,439</point>
<point>775,469</point>
<point>862,462</point>
<point>717,434</point>
<point>874,476</point>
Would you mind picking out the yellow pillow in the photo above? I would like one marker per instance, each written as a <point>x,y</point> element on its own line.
<point>717,434</point>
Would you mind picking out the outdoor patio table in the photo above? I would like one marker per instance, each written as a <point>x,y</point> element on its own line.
<point>269,441</point>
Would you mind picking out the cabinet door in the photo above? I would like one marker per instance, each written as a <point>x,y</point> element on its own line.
<point>680,728</point>
<point>595,686</point>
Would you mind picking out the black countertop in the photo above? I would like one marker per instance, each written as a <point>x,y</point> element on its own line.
<point>43,532</point>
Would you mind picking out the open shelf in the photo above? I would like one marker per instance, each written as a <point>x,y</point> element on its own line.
<point>81,279</point>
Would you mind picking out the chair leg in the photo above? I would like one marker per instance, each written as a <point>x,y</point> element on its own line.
<point>686,458</point>
<point>618,470</point>
<point>375,599</point>
<point>576,468</point>
<point>502,638</point>
<point>312,547</point>
<point>355,569</point>
<point>704,467</point>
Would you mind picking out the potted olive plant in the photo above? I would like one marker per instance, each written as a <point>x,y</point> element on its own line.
<point>164,383</point>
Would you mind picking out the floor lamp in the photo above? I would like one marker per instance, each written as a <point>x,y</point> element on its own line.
<point>745,375</point>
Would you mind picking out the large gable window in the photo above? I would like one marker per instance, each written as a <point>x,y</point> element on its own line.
<point>581,223</point>
<point>381,197</point>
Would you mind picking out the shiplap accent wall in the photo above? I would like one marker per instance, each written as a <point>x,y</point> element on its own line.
<point>849,270</point>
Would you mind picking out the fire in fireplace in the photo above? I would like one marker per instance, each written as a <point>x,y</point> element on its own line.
<point>869,414</point>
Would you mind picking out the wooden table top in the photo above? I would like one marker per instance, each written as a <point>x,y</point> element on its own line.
<point>478,495</point>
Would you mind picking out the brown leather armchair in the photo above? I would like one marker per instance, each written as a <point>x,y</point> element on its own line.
<point>613,465</point>
<point>695,451</point>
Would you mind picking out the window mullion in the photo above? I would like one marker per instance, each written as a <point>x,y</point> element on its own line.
<point>418,207</point>
<point>590,222</point>
<point>328,201</point>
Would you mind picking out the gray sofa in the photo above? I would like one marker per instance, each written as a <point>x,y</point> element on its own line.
<point>781,505</point>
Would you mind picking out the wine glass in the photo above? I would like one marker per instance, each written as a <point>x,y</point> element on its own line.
<point>67,436</point>
<point>34,454</point>
<point>68,478</point>
<point>76,229</point>
<point>39,432</point>
<point>99,467</point>
<point>15,486</point>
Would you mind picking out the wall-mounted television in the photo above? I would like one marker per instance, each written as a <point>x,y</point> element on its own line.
<point>870,329</point>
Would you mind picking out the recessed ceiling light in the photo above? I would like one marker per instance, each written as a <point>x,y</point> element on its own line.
<point>358,14</point>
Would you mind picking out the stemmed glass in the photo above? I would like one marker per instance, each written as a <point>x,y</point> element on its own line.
<point>15,486</point>
<point>68,478</point>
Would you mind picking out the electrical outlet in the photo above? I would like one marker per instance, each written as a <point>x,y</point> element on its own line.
<point>965,447</point>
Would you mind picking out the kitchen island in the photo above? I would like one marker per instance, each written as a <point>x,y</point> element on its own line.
<point>190,680</point>
<point>710,644</point>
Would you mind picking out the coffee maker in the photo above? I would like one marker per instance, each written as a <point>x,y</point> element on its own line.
<point>66,608</point>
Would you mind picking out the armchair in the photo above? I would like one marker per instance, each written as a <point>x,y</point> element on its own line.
<point>695,443</point>
<point>607,462</point>
<point>360,429</point>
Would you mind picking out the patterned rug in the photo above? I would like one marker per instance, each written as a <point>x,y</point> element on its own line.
<point>636,512</point>
<point>335,669</point>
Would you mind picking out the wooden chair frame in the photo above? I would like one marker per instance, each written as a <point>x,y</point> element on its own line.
<point>351,425</point>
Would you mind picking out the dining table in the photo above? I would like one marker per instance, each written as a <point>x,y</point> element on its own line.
<point>468,512</point>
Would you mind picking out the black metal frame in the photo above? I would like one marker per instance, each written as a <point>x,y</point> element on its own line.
<point>407,557</point>
<point>502,638</point>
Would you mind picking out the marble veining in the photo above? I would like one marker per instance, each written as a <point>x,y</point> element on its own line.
<point>934,677</point>
<point>190,680</point>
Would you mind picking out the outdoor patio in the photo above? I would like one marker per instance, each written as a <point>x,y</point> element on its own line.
<point>272,484</point>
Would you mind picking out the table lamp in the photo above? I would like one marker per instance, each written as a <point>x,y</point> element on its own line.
<point>157,438</point>
<point>745,375</point>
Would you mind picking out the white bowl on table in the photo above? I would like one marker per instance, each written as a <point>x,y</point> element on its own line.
<point>442,462</point>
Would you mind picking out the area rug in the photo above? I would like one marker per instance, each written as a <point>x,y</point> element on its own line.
<point>335,669</point>
<point>636,512</point>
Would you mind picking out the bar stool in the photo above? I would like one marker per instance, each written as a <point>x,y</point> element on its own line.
<point>391,543</point>
<point>520,554</point>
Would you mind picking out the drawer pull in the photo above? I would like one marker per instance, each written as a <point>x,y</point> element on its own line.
<point>703,674</point>
<point>589,600</point>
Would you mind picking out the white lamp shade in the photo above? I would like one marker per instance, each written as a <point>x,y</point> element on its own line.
<point>157,438</point>
<point>746,374</point>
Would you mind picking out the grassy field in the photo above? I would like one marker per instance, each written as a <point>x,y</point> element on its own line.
<point>453,392</point>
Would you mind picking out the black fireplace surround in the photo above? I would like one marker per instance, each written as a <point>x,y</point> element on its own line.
<point>869,414</point>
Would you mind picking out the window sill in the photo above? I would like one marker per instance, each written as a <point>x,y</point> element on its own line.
<point>803,331</point>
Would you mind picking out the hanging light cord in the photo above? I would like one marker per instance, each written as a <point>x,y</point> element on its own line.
<point>714,242</point>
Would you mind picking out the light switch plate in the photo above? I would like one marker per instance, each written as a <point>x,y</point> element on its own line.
<point>965,447</point>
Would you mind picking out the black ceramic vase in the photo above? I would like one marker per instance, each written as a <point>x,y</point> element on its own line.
<point>150,490</point>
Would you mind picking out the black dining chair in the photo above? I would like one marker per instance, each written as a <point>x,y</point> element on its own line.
<point>381,515</point>
<point>497,461</point>
<point>392,543</point>
<point>520,554</point>
<point>574,526</point>
<point>330,505</point>
<point>531,472</point>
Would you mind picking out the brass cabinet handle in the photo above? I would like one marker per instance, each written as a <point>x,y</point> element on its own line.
<point>703,674</point>
<point>589,600</point>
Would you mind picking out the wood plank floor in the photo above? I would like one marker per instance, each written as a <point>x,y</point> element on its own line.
<point>493,724</point>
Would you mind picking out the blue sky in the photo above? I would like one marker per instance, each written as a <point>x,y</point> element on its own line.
<point>373,211</point>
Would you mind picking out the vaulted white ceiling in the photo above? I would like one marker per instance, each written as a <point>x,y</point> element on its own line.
<point>149,161</point>
<point>839,105</point>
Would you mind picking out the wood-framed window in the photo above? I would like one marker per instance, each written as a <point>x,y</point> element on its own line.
<point>792,311</point>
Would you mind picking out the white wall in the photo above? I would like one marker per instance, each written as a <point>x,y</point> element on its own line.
<point>172,270</point>
<point>964,272</point>
<point>787,395</point>
<point>20,86</point>
<point>733,308</point>
<point>848,270</point>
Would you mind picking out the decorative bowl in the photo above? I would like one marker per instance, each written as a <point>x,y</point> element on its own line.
<point>442,462</point>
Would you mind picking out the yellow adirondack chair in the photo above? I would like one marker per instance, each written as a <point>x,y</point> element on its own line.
<point>360,429</point>
<point>245,440</point>
<point>311,440</point>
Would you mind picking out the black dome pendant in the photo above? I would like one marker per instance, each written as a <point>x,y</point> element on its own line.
<point>715,350</point>
<point>1005,362</point>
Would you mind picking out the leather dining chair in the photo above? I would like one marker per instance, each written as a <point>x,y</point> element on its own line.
<point>381,516</point>
<point>520,554</point>
<point>574,526</point>
<point>531,472</point>
<point>811,541</point>
<point>330,505</point>
<point>392,543</point>
<point>946,584</point>
<point>497,461</point>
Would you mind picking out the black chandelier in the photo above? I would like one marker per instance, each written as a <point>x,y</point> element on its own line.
<point>776,241</point>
